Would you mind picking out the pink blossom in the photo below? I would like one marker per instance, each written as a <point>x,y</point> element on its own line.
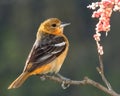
<point>97,36</point>
<point>103,11</point>
<point>100,50</point>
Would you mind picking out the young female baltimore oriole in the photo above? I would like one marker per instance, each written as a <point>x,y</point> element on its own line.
<point>48,52</point>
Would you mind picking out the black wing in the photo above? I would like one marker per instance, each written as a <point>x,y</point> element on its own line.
<point>45,51</point>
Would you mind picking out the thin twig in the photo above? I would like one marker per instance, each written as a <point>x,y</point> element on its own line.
<point>101,63</point>
<point>101,72</point>
<point>100,69</point>
<point>85,81</point>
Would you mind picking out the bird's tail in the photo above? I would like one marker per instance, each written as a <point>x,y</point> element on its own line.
<point>19,81</point>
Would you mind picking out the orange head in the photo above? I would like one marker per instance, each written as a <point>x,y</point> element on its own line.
<point>52,26</point>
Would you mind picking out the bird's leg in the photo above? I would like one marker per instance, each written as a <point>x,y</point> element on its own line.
<point>42,76</point>
<point>65,83</point>
<point>61,77</point>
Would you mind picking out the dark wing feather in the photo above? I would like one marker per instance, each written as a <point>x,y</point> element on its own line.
<point>47,50</point>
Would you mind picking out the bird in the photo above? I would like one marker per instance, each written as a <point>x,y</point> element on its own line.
<point>48,52</point>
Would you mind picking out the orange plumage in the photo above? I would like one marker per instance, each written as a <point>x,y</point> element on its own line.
<point>48,52</point>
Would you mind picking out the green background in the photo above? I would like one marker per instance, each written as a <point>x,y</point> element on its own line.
<point>19,21</point>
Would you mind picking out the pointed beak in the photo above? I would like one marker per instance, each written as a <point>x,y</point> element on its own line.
<point>64,24</point>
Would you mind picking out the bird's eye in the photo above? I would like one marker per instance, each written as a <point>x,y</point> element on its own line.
<point>54,25</point>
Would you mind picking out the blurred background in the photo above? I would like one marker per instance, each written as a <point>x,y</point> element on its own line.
<point>19,21</point>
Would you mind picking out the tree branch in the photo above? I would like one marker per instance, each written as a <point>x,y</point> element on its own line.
<point>85,81</point>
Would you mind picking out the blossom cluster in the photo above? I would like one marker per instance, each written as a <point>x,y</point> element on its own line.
<point>103,11</point>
